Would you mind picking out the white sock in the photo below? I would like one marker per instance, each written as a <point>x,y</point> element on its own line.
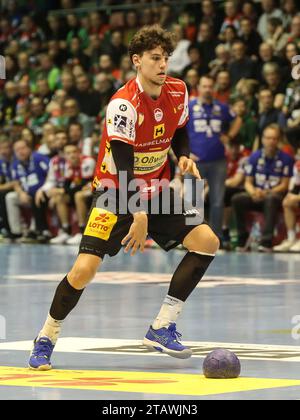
<point>291,235</point>
<point>169,312</point>
<point>51,329</point>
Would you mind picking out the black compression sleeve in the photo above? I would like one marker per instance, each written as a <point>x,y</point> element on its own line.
<point>123,157</point>
<point>180,143</point>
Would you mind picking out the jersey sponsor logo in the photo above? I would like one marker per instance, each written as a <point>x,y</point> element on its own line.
<point>120,123</point>
<point>159,131</point>
<point>154,142</point>
<point>149,162</point>
<point>100,224</point>
<point>158,114</point>
<point>123,107</point>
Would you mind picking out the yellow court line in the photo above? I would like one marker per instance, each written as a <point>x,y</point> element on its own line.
<point>145,382</point>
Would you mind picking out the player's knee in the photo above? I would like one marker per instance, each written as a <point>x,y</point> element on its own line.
<point>203,239</point>
<point>81,274</point>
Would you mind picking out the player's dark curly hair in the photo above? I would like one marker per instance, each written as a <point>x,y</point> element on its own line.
<point>150,37</point>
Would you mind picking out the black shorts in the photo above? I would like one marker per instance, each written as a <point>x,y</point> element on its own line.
<point>105,229</point>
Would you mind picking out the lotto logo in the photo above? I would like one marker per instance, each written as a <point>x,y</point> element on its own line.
<point>102,218</point>
<point>100,224</point>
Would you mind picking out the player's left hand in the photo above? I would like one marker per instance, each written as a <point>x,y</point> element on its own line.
<point>137,234</point>
<point>188,166</point>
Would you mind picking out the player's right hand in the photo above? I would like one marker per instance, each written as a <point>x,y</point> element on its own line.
<point>137,234</point>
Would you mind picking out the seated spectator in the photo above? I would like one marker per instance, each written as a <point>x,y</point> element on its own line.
<point>221,62</point>
<point>294,35</point>
<point>273,82</point>
<point>75,31</point>
<point>196,61</point>
<point>247,133</point>
<point>207,43</point>
<point>29,137</point>
<point>50,192</point>
<point>241,65</point>
<point>48,71</point>
<point>107,66</point>
<point>222,88</point>
<point>30,170</point>
<point>38,115</point>
<point>251,38</point>
<point>78,174</point>
<point>277,37</point>
<point>43,91</point>
<point>8,103</point>
<point>126,68</point>
<point>180,58</point>
<point>289,9</point>
<point>97,25</point>
<point>291,204</point>
<point>76,137</point>
<point>247,88</point>
<point>270,10</point>
<point>249,11</point>
<point>131,26</point>
<point>67,82</point>
<point>266,55</point>
<point>72,114</point>
<point>229,37</point>
<point>76,54</point>
<point>6,185</point>
<point>56,30</point>
<point>56,105</point>
<point>87,98</point>
<point>268,173</point>
<point>192,81</point>
<point>232,16</point>
<point>186,20</point>
<point>116,48</point>
<point>104,84</point>
<point>268,114</point>
<point>234,184</point>
<point>211,15</point>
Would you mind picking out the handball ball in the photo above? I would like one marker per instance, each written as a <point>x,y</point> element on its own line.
<point>221,364</point>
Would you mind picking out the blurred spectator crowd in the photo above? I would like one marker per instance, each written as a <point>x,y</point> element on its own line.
<point>62,69</point>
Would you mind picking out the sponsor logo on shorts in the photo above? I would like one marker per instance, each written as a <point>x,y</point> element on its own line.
<point>100,224</point>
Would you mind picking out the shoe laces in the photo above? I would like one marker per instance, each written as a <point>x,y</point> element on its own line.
<point>173,333</point>
<point>42,348</point>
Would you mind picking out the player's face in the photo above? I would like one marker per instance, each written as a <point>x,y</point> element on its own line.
<point>153,66</point>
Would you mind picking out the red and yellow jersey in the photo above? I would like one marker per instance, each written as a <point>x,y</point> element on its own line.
<point>135,118</point>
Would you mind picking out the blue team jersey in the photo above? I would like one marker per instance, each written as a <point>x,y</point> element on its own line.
<point>206,124</point>
<point>5,171</point>
<point>31,175</point>
<point>268,172</point>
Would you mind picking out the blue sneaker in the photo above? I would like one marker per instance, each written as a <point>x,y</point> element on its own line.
<point>165,340</point>
<point>40,354</point>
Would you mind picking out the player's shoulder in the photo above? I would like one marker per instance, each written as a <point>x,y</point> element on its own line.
<point>128,94</point>
<point>255,155</point>
<point>285,157</point>
<point>175,84</point>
